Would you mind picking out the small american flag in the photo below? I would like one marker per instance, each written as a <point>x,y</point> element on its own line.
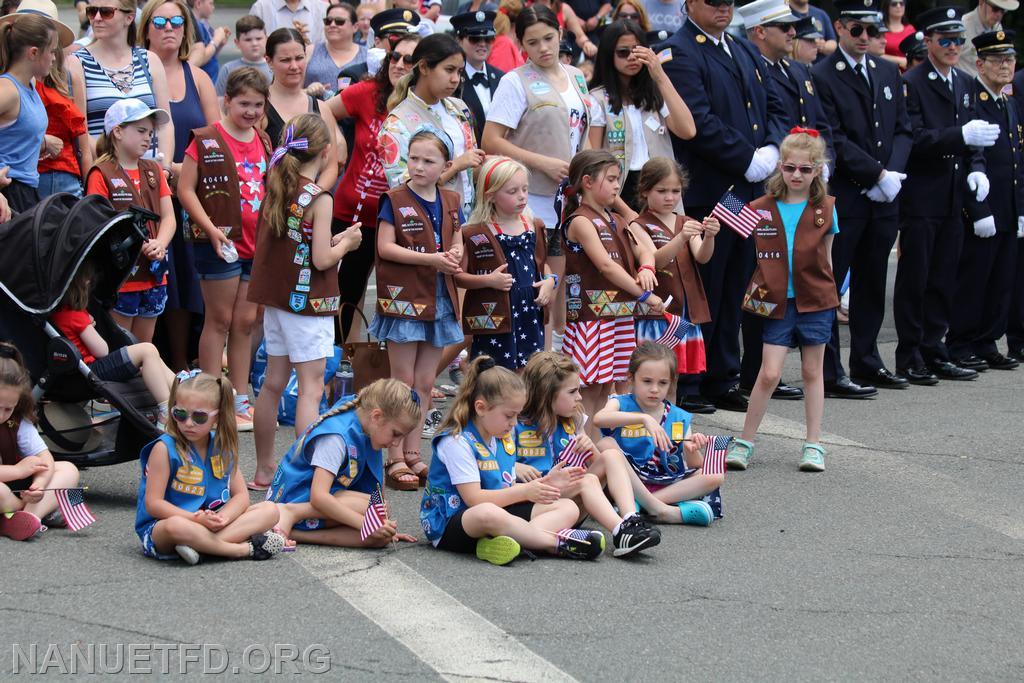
<point>678,328</point>
<point>581,535</point>
<point>72,506</point>
<point>374,517</point>
<point>573,456</point>
<point>732,211</point>
<point>714,456</point>
<point>407,211</point>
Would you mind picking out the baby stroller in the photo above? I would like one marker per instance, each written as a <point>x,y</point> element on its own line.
<point>41,251</point>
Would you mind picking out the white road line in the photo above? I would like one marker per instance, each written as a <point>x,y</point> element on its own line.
<point>449,637</point>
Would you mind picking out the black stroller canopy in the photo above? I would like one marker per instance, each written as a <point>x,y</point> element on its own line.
<point>41,250</point>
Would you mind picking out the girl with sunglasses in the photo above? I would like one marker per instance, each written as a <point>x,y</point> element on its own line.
<point>635,104</point>
<point>192,498</point>
<point>629,11</point>
<point>793,288</point>
<point>338,51</point>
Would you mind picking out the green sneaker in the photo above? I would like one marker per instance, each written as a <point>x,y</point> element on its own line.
<point>813,459</point>
<point>499,550</point>
<point>740,452</point>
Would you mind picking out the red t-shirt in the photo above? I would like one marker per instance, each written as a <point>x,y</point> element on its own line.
<point>364,181</point>
<point>66,123</point>
<point>893,40</point>
<point>96,185</point>
<point>251,164</point>
<point>505,55</point>
<point>71,324</point>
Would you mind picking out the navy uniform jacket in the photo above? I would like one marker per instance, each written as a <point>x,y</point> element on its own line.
<point>1004,162</point>
<point>940,160</point>
<point>735,107</point>
<point>800,99</point>
<point>472,100</point>
<point>1018,90</point>
<point>870,130</point>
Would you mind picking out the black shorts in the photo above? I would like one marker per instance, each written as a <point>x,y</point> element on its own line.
<point>21,197</point>
<point>457,540</point>
<point>554,241</point>
<point>19,484</point>
<point>115,366</point>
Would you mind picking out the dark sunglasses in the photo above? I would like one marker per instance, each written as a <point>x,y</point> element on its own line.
<point>105,12</point>
<point>199,417</point>
<point>629,16</point>
<point>162,22</point>
<point>784,27</point>
<point>793,168</point>
<point>480,39</point>
<point>337,21</point>
<point>950,42</point>
<point>719,3</point>
<point>396,58</point>
<point>896,3</point>
<point>623,52</point>
<point>857,30</point>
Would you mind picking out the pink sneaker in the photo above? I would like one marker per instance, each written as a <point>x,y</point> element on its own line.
<point>19,525</point>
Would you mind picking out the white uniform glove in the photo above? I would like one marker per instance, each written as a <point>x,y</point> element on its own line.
<point>761,165</point>
<point>891,183</point>
<point>771,155</point>
<point>875,194</point>
<point>986,227</point>
<point>978,182</point>
<point>826,173</point>
<point>980,133</point>
<point>1020,226</point>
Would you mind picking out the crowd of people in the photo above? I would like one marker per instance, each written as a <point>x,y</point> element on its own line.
<point>595,220</point>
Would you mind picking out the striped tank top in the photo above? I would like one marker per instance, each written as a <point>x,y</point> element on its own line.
<point>103,87</point>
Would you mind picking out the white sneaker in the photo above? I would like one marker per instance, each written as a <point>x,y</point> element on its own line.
<point>187,553</point>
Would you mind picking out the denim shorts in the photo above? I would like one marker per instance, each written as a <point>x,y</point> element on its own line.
<point>116,366</point>
<point>147,303</point>
<point>209,266</point>
<point>52,182</point>
<point>799,329</point>
<point>148,549</point>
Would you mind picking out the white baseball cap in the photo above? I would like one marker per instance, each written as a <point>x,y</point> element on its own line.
<point>130,110</point>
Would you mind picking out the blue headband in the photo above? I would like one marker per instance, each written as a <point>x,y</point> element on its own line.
<point>440,135</point>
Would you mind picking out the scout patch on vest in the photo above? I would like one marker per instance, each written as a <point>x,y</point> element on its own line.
<point>602,303</point>
<point>325,305</point>
<point>479,240</point>
<point>756,305</point>
<point>118,182</point>
<point>396,306</point>
<point>678,431</point>
<point>581,83</point>
<point>487,465</point>
<point>482,449</point>
<point>530,444</point>
<point>488,321</point>
<point>186,480</point>
<point>540,88</point>
<point>634,431</point>
<point>301,257</point>
<point>766,231</point>
<point>217,464</point>
<point>509,443</point>
<point>569,426</point>
<point>296,301</point>
<point>389,148</point>
<point>344,480</point>
<point>151,179</point>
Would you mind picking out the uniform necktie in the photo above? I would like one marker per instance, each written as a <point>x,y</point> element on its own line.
<point>859,69</point>
<point>479,78</point>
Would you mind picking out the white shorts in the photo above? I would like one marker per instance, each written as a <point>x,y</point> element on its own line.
<point>300,337</point>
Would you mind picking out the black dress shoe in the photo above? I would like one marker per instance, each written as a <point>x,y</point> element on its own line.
<point>972,362</point>
<point>918,375</point>
<point>1016,354</point>
<point>697,405</point>
<point>783,392</point>
<point>998,361</point>
<point>943,369</point>
<point>883,379</point>
<point>846,388</point>
<point>730,400</point>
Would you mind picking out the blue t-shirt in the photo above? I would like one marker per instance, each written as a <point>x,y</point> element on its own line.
<point>431,208</point>
<point>822,21</point>
<point>790,214</point>
<point>205,37</point>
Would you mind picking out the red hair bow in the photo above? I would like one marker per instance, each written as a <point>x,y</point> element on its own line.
<point>806,131</point>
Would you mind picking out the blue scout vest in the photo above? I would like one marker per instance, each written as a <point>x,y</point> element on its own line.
<point>441,499</point>
<point>534,450</point>
<point>192,486</point>
<point>638,445</point>
<point>362,468</point>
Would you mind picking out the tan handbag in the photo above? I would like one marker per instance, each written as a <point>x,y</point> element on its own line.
<point>369,359</point>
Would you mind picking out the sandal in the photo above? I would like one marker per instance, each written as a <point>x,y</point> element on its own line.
<point>253,486</point>
<point>417,460</point>
<point>437,395</point>
<point>392,480</point>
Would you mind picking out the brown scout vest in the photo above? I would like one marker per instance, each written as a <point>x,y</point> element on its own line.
<point>408,291</point>
<point>9,453</point>
<point>489,311</point>
<point>680,278</point>
<point>588,294</point>
<point>123,194</point>
<point>217,187</point>
<point>618,133</point>
<point>283,274</point>
<point>813,282</point>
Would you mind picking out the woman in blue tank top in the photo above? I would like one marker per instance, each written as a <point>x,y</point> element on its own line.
<point>27,45</point>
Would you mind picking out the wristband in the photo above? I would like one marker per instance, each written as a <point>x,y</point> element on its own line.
<point>554,277</point>
<point>649,267</point>
<point>644,296</point>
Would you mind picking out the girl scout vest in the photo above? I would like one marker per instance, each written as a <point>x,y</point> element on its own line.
<point>680,278</point>
<point>489,311</point>
<point>362,466</point>
<point>544,128</point>
<point>283,275</point>
<point>408,291</point>
<point>638,445</point>
<point>588,294</point>
<point>217,187</point>
<point>441,499</point>
<point>813,283</point>
<point>192,485</point>
<point>10,454</point>
<point>123,194</point>
<point>534,450</point>
<point>618,134</point>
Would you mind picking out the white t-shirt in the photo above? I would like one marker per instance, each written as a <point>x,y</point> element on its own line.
<point>459,459</point>
<point>29,441</point>
<point>636,118</point>
<point>454,130</point>
<point>329,452</point>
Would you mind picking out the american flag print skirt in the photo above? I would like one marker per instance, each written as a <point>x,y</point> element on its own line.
<point>601,348</point>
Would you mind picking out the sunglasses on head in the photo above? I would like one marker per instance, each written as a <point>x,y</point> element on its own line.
<point>396,58</point>
<point>480,39</point>
<point>857,30</point>
<point>164,22</point>
<point>199,417</point>
<point>950,42</point>
<point>337,21</point>
<point>793,168</point>
<point>105,12</point>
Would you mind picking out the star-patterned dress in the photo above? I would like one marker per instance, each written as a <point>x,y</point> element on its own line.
<point>512,350</point>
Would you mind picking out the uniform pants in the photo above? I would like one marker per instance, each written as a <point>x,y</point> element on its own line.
<point>984,287</point>
<point>925,282</point>
<point>1015,322</point>
<point>862,249</point>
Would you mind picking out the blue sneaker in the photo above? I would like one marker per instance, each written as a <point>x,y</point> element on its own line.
<point>813,459</point>
<point>696,513</point>
<point>740,452</point>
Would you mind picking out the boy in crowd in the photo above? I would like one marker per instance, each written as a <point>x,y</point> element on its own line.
<point>251,41</point>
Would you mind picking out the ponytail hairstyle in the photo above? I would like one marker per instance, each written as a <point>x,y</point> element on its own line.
<point>493,175</point>
<point>545,374</point>
<point>535,14</point>
<point>655,171</point>
<point>106,143</point>
<point>58,76</point>
<point>650,351</point>
<point>305,137</point>
<point>13,375</point>
<point>219,392</point>
<point>383,77</point>
<point>24,31</point>
<point>508,10</point>
<point>430,52</point>
<point>590,163</point>
<point>810,143</point>
<point>487,381</point>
